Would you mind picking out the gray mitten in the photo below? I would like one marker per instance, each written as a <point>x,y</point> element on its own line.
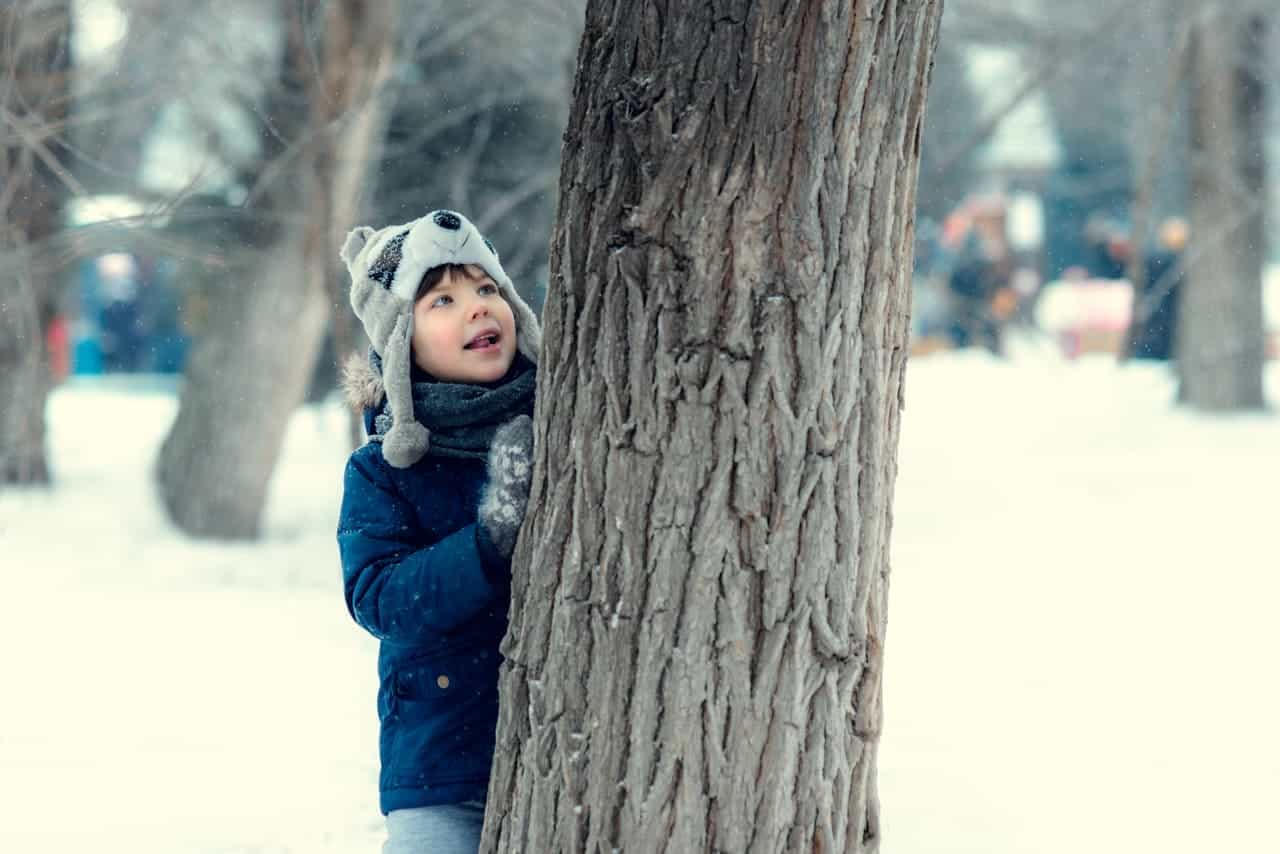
<point>510,472</point>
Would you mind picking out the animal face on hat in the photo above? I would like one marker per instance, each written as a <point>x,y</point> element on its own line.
<point>386,266</point>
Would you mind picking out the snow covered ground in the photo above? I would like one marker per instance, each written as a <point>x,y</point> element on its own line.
<point>1081,650</point>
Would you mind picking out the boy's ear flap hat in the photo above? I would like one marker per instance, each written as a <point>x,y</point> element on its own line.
<point>386,266</point>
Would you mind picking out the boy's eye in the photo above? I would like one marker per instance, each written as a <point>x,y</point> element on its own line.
<point>488,288</point>
<point>443,299</point>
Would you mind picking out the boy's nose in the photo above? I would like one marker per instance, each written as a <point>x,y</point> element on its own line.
<point>478,309</point>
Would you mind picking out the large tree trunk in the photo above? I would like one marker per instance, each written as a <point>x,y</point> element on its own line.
<point>698,613</point>
<point>251,369</point>
<point>1220,340</point>
<point>35,96</point>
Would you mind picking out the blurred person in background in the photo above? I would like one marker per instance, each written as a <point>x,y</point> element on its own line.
<point>972,286</point>
<point>1109,248</point>
<point>1156,310</point>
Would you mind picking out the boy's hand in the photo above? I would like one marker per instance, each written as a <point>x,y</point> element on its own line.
<point>510,473</point>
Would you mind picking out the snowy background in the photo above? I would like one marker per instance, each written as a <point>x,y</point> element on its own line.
<point>1081,650</point>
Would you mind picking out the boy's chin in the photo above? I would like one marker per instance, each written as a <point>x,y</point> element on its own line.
<point>491,372</point>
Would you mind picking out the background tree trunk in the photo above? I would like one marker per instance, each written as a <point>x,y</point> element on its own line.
<point>35,97</point>
<point>251,369</point>
<point>348,103</point>
<point>1220,340</point>
<point>698,617</point>
<point>24,376</point>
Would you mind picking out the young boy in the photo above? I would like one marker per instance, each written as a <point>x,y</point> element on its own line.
<point>431,508</point>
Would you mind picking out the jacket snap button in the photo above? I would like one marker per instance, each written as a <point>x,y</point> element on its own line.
<point>442,681</point>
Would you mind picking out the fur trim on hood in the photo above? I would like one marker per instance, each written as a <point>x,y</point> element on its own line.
<point>361,384</point>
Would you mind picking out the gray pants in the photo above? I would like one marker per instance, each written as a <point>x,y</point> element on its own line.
<point>444,829</point>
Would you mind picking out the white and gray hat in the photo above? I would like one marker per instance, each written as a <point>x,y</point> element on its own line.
<point>386,266</point>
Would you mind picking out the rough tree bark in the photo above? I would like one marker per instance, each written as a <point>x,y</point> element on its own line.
<point>699,604</point>
<point>1220,340</point>
<point>35,90</point>
<point>250,370</point>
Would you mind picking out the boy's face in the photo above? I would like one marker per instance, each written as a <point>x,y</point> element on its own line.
<point>463,330</point>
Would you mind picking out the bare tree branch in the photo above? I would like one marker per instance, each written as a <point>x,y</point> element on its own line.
<point>1056,62</point>
<point>503,205</point>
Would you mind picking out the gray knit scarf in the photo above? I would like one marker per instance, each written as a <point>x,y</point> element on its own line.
<point>462,418</point>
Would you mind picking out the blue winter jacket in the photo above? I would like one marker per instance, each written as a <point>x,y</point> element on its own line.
<point>425,579</point>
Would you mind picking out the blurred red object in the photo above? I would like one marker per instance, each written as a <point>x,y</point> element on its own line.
<point>57,339</point>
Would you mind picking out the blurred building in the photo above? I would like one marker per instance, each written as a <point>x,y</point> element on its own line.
<point>1023,149</point>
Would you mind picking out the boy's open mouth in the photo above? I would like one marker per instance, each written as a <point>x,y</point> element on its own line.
<point>484,341</point>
